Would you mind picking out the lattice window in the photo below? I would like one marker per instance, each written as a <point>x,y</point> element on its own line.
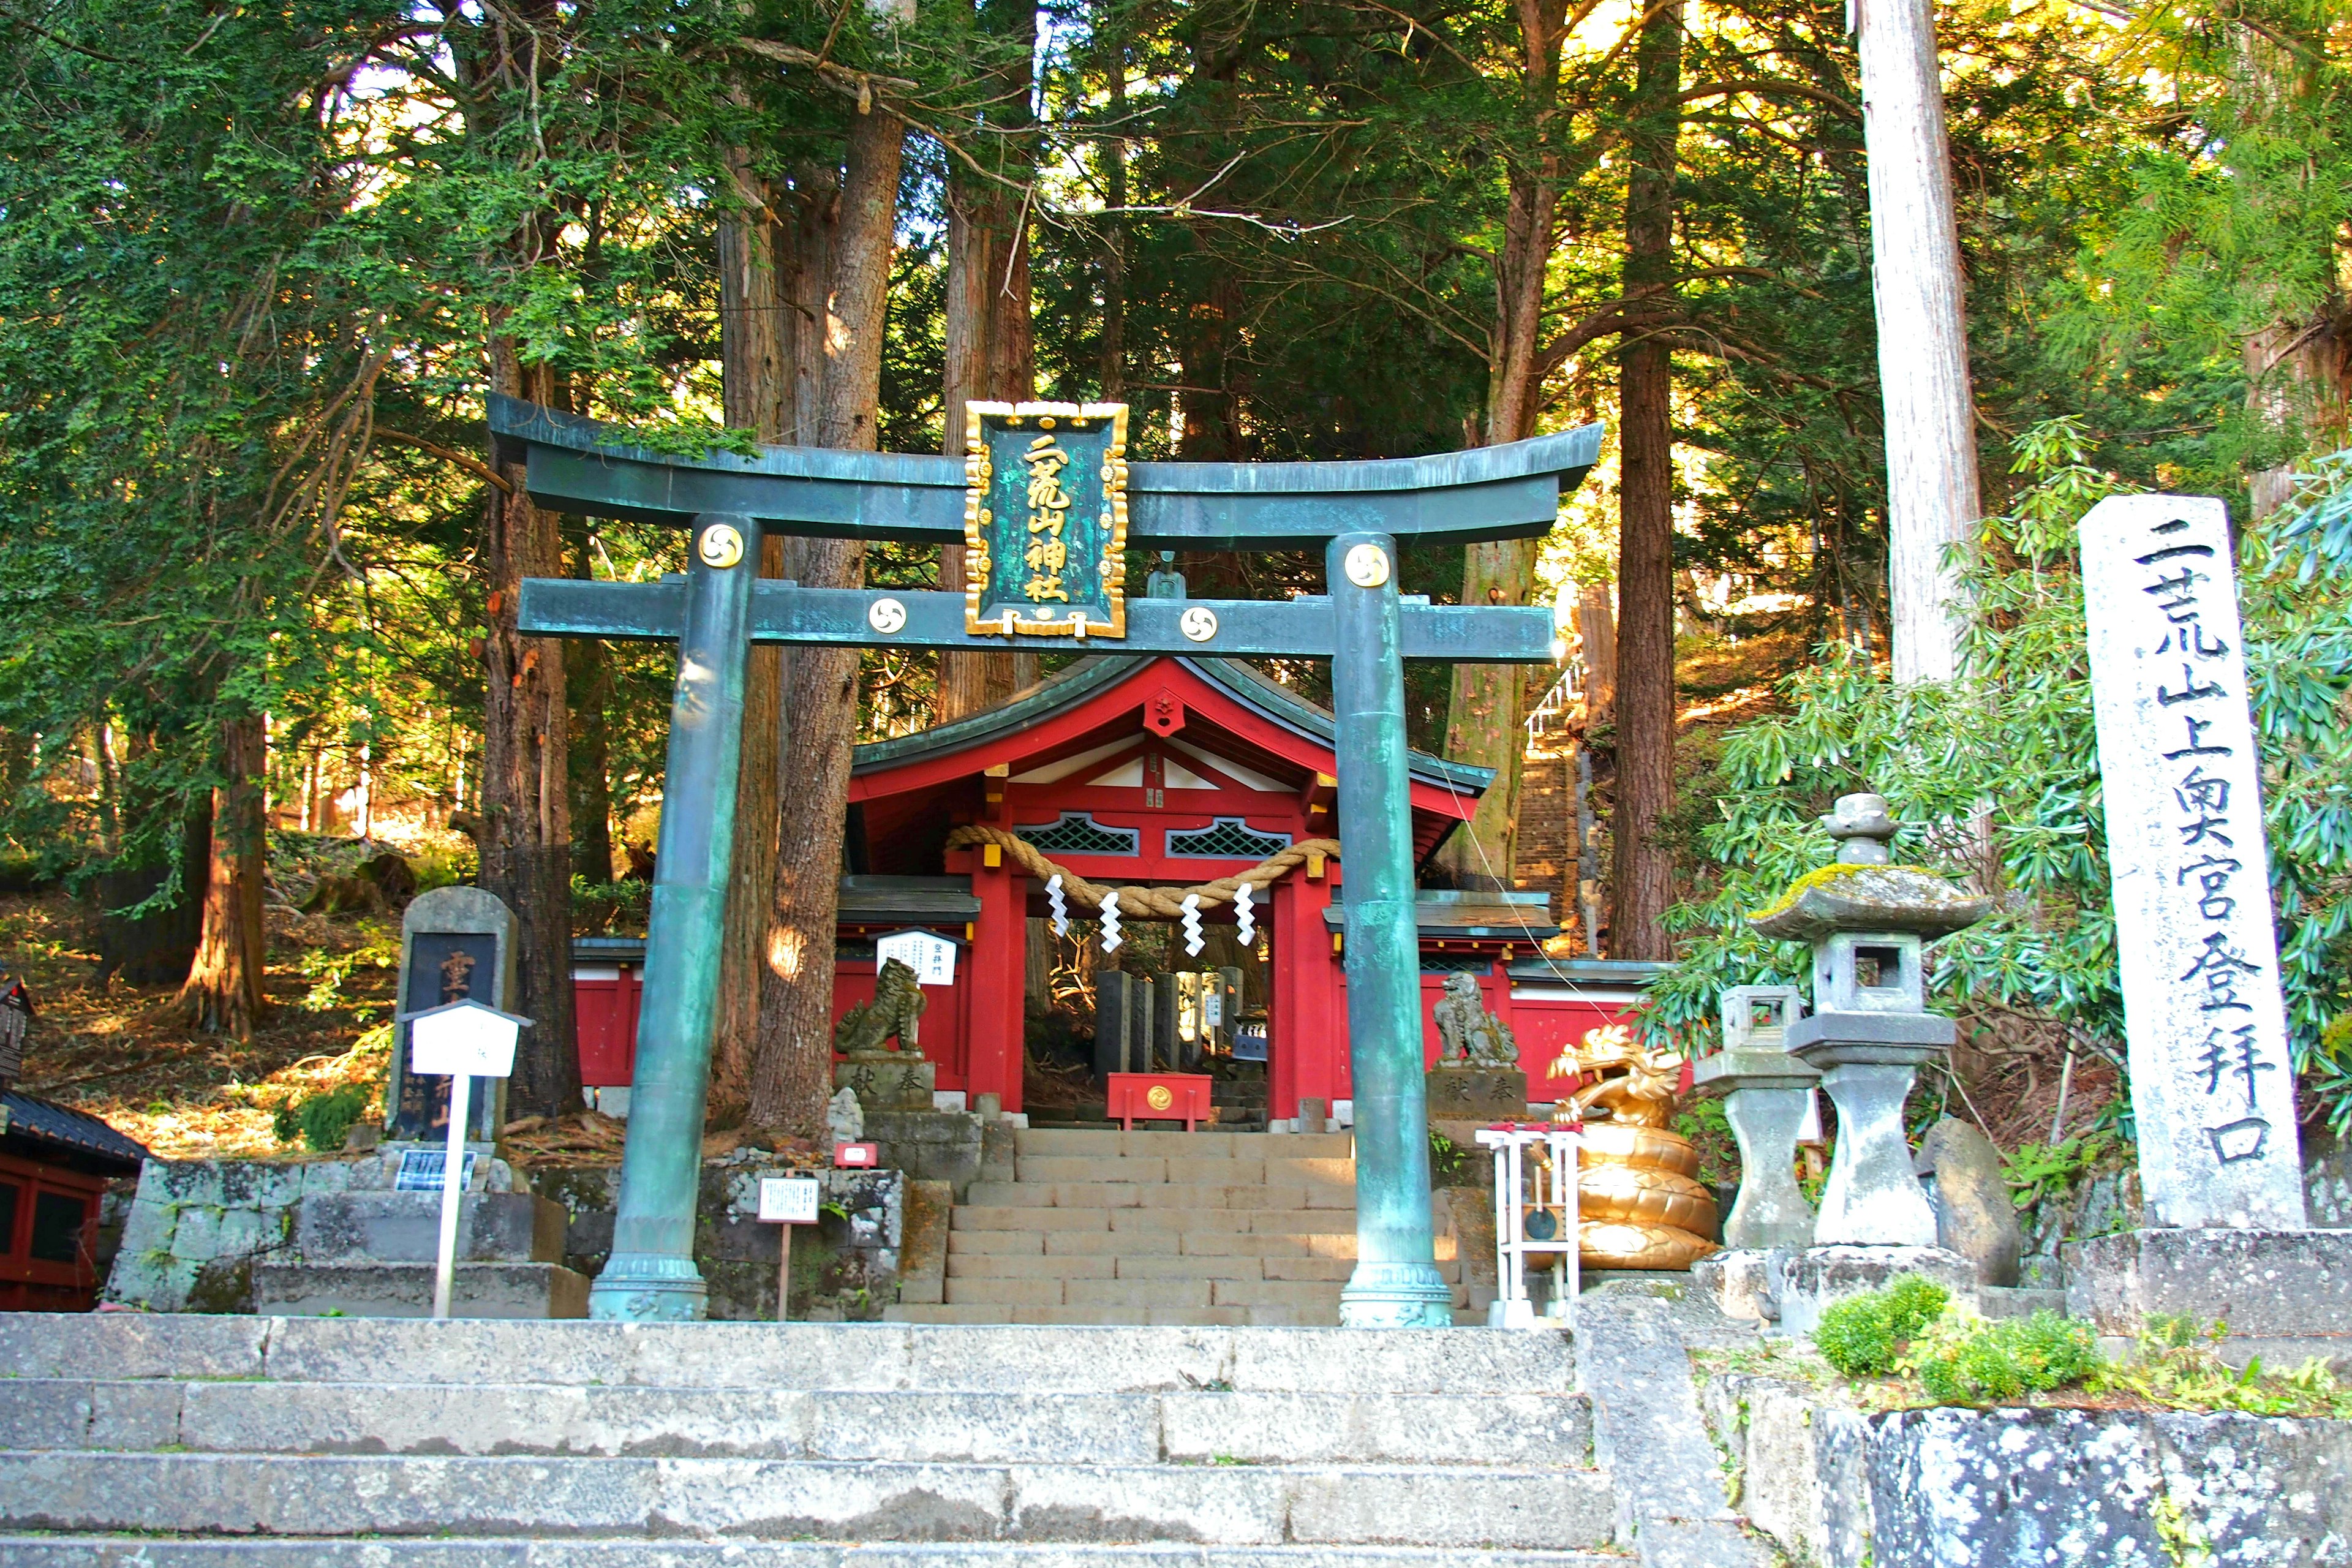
<point>1227,839</point>
<point>1077,833</point>
<point>1455,964</point>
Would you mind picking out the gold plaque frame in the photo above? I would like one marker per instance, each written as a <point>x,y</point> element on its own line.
<point>977,478</point>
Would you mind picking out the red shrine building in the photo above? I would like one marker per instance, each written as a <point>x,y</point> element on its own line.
<point>1143,770</point>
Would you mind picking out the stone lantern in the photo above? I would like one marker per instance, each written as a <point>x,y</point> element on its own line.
<point>1765,1092</point>
<point>1869,1034</point>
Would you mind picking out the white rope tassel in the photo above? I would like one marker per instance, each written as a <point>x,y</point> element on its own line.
<point>1192,920</point>
<point>1054,901</point>
<point>1110,920</point>
<point>1244,922</point>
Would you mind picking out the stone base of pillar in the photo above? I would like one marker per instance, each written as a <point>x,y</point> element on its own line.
<point>1396,1295</point>
<point>1804,1284</point>
<point>1740,1281</point>
<point>2285,1295</point>
<point>649,1287</point>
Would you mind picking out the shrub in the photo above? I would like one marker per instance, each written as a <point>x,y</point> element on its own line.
<point>1984,1361</point>
<point>1861,1335</point>
<point>322,1121</point>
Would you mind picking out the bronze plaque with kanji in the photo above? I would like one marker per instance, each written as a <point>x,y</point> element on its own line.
<point>1045,518</point>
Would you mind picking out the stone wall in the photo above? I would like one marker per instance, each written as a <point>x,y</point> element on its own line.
<point>197,1226</point>
<point>1837,1487</point>
<point>846,1268</point>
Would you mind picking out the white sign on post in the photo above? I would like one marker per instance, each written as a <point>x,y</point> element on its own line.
<point>2212,1077</point>
<point>461,1040</point>
<point>787,1201</point>
<point>931,956</point>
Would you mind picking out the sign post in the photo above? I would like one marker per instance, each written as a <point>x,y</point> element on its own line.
<point>785,1202</point>
<point>461,1041</point>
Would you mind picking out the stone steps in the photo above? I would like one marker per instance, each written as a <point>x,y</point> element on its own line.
<point>169,1441</point>
<point>1081,1225</point>
<point>89,1551</point>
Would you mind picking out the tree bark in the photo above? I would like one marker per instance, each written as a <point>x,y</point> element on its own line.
<point>757,342</point>
<point>968,682</point>
<point>587,685</point>
<point>222,993</point>
<point>1923,345</point>
<point>526,827</point>
<point>1641,879</point>
<point>792,1075</point>
<point>1485,710</point>
<point>1596,628</point>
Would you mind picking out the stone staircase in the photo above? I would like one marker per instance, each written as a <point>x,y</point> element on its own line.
<point>137,1441</point>
<point>1200,1228</point>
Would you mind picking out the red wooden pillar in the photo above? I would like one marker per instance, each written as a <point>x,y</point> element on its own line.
<point>998,960</point>
<point>1308,1009</point>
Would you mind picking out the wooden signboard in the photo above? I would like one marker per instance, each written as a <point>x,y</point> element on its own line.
<point>1045,518</point>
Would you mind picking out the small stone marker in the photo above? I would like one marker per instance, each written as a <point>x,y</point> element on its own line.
<point>455,944</point>
<point>461,1041</point>
<point>785,1202</point>
<point>2211,1079</point>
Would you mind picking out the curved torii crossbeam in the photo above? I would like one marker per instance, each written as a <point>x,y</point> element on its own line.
<point>1354,512</point>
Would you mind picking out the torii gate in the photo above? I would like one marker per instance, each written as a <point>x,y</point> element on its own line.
<point>1046,504</point>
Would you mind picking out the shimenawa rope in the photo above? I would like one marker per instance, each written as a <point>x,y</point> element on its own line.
<point>1144,903</point>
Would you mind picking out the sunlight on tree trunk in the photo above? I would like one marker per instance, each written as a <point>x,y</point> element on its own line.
<point>222,993</point>
<point>792,1075</point>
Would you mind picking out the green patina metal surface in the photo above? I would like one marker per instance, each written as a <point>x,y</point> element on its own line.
<point>1511,492</point>
<point>787,613</point>
<point>1395,1283</point>
<point>651,1274</point>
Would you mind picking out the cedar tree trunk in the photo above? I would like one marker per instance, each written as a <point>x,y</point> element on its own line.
<point>1642,879</point>
<point>792,1075</point>
<point>222,992</point>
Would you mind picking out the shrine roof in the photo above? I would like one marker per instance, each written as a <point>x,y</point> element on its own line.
<point>1443,913</point>
<point>1101,674</point>
<point>45,1130</point>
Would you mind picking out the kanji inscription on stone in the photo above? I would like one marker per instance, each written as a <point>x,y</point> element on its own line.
<point>1045,518</point>
<point>2212,1079</point>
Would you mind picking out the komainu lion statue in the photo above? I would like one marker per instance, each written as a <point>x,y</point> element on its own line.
<point>1639,1201</point>
<point>1469,1034</point>
<point>894,1013</point>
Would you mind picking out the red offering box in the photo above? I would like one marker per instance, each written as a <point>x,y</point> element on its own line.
<point>856,1156</point>
<point>1159,1096</point>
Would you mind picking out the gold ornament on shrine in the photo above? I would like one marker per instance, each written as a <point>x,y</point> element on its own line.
<point>1044,520</point>
<point>1639,1201</point>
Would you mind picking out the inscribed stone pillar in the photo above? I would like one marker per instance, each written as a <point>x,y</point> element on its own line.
<point>455,943</point>
<point>2212,1079</point>
<point>1114,1020</point>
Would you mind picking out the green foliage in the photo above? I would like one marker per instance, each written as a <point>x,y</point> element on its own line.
<point>1449,1163</point>
<point>2012,739</point>
<point>1708,1127</point>
<point>1979,1361</point>
<point>320,1121</point>
<point>1863,1336</point>
<point>2176,1365</point>
<point>2037,1172</point>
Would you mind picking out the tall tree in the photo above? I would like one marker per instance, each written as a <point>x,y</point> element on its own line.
<point>758,343</point>
<point>1923,344</point>
<point>504,62</point>
<point>1642,879</point>
<point>1485,713</point>
<point>792,1075</point>
<point>990,353</point>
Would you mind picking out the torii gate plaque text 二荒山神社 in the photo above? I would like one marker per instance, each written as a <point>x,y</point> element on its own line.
<point>1046,504</point>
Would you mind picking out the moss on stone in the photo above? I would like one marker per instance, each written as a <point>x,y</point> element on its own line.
<point>1821,876</point>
